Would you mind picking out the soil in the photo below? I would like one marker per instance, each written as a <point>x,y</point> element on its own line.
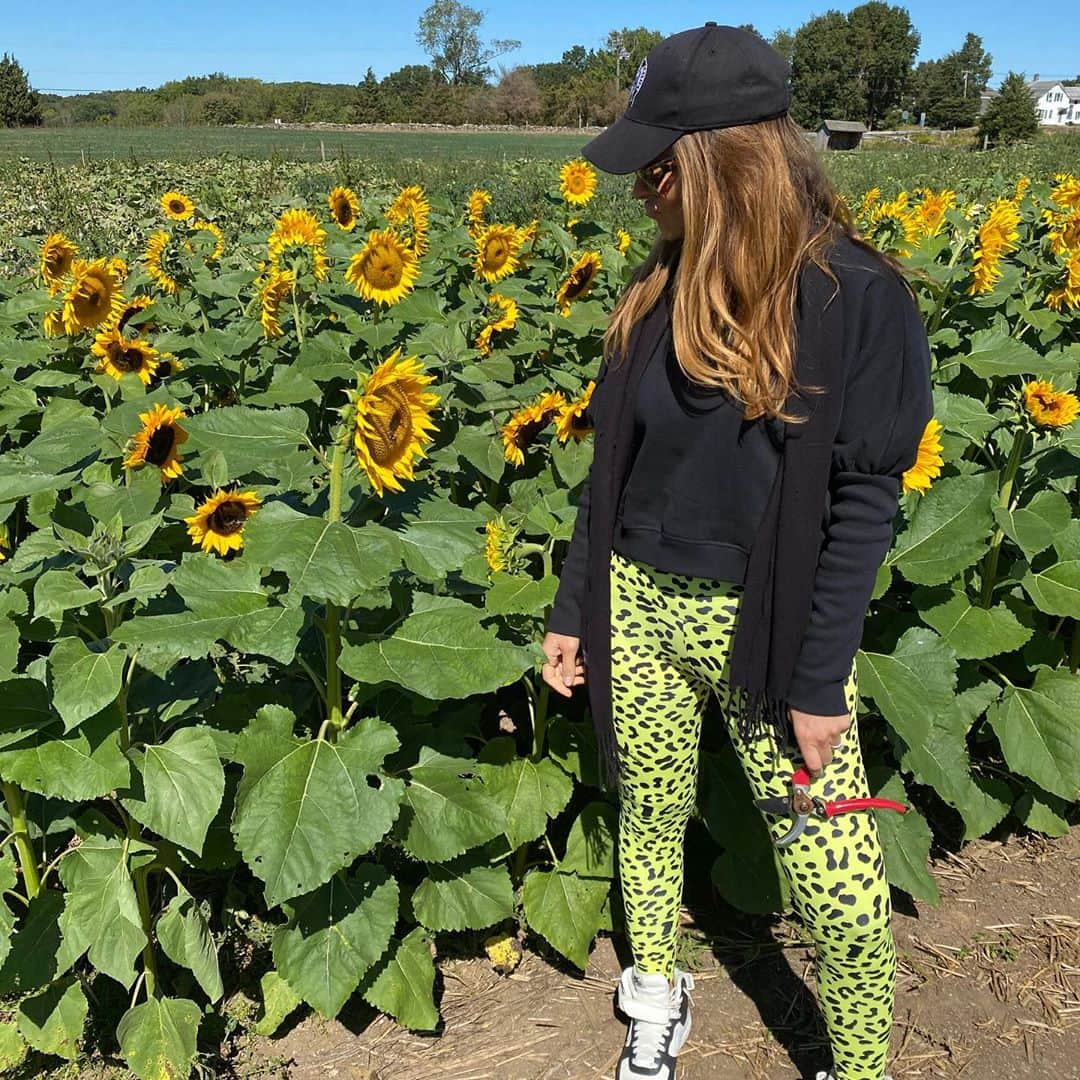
<point>988,988</point>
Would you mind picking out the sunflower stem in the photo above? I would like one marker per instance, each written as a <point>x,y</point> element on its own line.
<point>990,562</point>
<point>23,844</point>
<point>333,623</point>
<point>296,315</point>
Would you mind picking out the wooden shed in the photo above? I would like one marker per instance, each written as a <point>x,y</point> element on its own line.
<point>840,134</point>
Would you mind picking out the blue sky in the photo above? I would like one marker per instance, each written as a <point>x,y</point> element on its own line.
<point>109,45</point>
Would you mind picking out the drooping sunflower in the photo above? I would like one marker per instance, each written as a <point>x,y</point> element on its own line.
<point>300,229</point>
<point>275,288</point>
<point>159,441</point>
<point>154,258</point>
<point>93,296</point>
<point>506,316</point>
<point>1049,407</point>
<point>216,233</point>
<point>500,540</point>
<point>385,270</point>
<point>57,255</point>
<point>479,201</point>
<point>577,182</point>
<point>497,248</point>
<point>177,205</point>
<point>573,418</point>
<point>344,207</point>
<point>392,420</point>
<point>411,205</point>
<point>520,431</point>
<point>928,460</point>
<point>894,226</point>
<point>119,355</point>
<point>218,524</point>
<point>579,281</point>
<point>997,237</point>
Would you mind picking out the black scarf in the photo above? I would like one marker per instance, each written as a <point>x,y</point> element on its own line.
<point>778,593</point>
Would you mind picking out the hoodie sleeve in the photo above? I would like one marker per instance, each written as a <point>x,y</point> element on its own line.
<point>888,401</point>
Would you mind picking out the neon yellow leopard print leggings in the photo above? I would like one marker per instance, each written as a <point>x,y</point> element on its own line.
<point>670,644</point>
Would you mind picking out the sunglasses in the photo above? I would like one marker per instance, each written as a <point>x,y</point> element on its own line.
<point>652,176</point>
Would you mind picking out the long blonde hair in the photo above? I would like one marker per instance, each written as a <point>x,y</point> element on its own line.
<point>756,204</point>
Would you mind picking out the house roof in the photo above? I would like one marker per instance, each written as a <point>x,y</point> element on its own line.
<point>843,125</point>
<point>1072,91</point>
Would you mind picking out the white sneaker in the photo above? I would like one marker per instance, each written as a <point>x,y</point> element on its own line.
<point>659,1023</point>
<point>832,1076</point>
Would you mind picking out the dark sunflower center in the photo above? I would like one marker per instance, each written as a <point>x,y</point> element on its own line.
<point>385,268</point>
<point>128,359</point>
<point>228,518</point>
<point>392,432</point>
<point>528,431</point>
<point>176,206</point>
<point>579,281</point>
<point>159,445</point>
<point>497,251</point>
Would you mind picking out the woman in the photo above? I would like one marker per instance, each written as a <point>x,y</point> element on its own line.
<point>765,384</point>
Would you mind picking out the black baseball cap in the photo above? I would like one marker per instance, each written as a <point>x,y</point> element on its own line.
<point>709,77</point>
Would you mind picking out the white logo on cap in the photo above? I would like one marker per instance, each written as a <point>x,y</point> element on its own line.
<point>639,81</point>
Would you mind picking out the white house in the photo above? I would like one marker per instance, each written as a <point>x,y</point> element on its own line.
<point>1055,102</point>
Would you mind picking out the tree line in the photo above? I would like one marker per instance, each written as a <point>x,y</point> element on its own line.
<point>853,66</point>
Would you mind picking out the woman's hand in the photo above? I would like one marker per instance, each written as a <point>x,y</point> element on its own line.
<point>565,669</point>
<point>816,736</point>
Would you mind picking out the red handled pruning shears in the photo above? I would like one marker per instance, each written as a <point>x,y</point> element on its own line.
<point>802,805</point>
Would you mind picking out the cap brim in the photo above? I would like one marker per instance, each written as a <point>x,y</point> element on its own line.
<point>627,145</point>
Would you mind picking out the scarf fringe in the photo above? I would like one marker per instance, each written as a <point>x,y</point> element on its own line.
<point>758,713</point>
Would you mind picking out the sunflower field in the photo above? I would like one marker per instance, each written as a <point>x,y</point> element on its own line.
<point>282,511</point>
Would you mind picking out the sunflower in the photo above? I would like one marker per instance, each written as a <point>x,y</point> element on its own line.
<point>392,419</point>
<point>344,207</point>
<point>527,235</point>
<point>92,297</point>
<point>1049,407</point>
<point>894,225</point>
<point>411,205</point>
<point>158,442</point>
<point>119,355</point>
<point>929,215</point>
<point>53,324</point>
<point>300,229</point>
<point>5,542</point>
<point>520,431</point>
<point>385,270</point>
<point>215,232</point>
<point>868,201</point>
<point>177,205</point>
<point>997,236</point>
<point>579,281</point>
<point>1021,188</point>
<point>573,418</point>
<point>479,201</point>
<point>155,252</point>
<point>497,248</point>
<point>130,310</point>
<point>622,241</point>
<point>505,319</point>
<point>218,525</point>
<point>1066,190</point>
<point>274,289</point>
<point>57,255</point>
<point>928,460</point>
<point>499,539</point>
<point>577,182</point>
<point>1064,233</point>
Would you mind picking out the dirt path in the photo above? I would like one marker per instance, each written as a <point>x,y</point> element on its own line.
<point>988,989</point>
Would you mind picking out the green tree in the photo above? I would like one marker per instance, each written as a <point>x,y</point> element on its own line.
<point>783,42</point>
<point>367,108</point>
<point>449,32</point>
<point>824,82</point>
<point>883,44</point>
<point>941,90</point>
<point>1010,117</point>
<point>19,106</point>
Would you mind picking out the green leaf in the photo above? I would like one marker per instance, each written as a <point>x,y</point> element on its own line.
<point>438,539</point>
<point>335,934</point>
<point>101,912</point>
<point>446,809</point>
<point>58,591</point>
<point>591,845</point>
<point>530,793</point>
<point>53,1021</point>
<point>252,440</point>
<point>85,764</point>
<point>84,682</point>
<point>185,938</point>
<point>134,500</point>
<point>182,787</point>
<point>157,1038</point>
<point>1038,732</point>
<point>440,653</point>
<point>307,808</point>
<point>279,999</point>
<point>325,560</point>
<point>12,1048</point>
<point>994,354</point>
<point>1043,812</point>
<point>905,839</point>
<point>1055,590</point>
<point>975,633</point>
<point>26,709</point>
<point>949,529</point>
<point>464,897</point>
<point>33,959</point>
<point>519,594</point>
<point>1034,527</point>
<point>402,986</point>
<point>565,910</point>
